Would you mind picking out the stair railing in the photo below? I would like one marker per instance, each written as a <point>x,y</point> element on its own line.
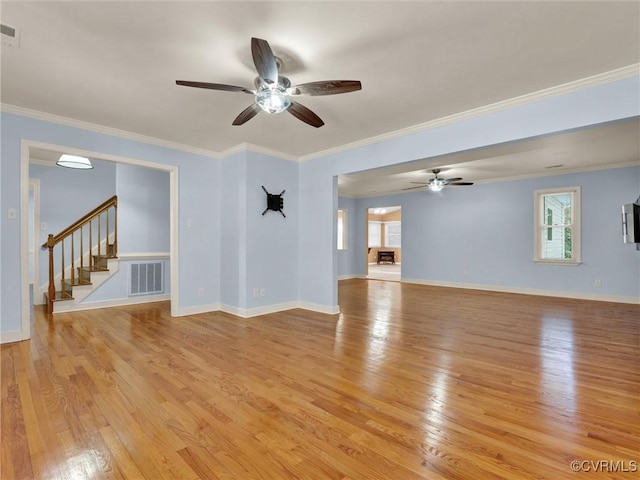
<point>92,222</point>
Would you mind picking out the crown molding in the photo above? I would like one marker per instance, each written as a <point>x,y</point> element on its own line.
<point>250,147</point>
<point>563,89</point>
<point>94,127</point>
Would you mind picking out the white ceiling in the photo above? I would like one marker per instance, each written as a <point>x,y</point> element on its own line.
<point>114,63</point>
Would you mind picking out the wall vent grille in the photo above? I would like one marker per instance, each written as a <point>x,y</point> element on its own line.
<point>146,278</point>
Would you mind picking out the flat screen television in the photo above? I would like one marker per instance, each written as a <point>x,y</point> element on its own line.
<point>631,223</point>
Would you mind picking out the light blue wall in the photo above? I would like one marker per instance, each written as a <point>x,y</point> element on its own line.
<point>483,235</point>
<point>233,230</point>
<point>347,259</point>
<point>198,196</point>
<point>258,252</point>
<point>272,240</point>
<point>143,209</point>
<point>318,198</point>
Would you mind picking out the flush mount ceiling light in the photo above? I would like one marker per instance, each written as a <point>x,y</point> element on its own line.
<point>273,91</point>
<point>73,161</point>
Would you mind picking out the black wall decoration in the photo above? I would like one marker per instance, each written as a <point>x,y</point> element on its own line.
<point>274,202</point>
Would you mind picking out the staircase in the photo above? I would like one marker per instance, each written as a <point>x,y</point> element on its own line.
<point>72,281</point>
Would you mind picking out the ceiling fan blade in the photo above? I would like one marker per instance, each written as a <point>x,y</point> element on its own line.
<point>264,60</point>
<point>247,114</point>
<point>213,86</point>
<point>327,87</point>
<point>411,188</point>
<point>303,113</point>
<point>459,184</point>
<point>421,183</point>
<point>449,180</point>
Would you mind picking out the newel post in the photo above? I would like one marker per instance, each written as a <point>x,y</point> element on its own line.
<point>52,287</point>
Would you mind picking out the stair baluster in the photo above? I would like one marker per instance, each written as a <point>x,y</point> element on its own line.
<point>62,285</point>
<point>99,242</point>
<point>90,244</point>
<point>73,259</point>
<point>81,272</point>
<point>52,289</point>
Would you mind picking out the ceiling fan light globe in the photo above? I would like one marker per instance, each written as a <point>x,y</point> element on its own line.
<point>272,99</point>
<point>436,185</point>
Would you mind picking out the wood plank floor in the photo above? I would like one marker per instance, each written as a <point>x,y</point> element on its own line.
<point>409,382</point>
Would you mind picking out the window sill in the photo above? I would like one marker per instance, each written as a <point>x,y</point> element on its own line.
<point>564,263</point>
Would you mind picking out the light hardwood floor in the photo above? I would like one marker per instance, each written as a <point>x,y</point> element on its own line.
<point>408,382</point>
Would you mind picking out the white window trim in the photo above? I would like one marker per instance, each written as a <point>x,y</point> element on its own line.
<point>576,228</point>
<point>344,230</point>
<point>386,236</point>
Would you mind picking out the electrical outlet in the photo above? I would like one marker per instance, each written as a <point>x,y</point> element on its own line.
<point>597,282</point>
<point>263,292</point>
<point>201,292</point>
<point>466,274</point>
<point>256,293</point>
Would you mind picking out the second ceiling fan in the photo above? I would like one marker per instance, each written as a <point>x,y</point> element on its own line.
<point>273,91</point>
<point>438,183</point>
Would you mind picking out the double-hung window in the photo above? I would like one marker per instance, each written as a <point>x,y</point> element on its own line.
<point>375,234</point>
<point>557,226</point>
<point>392,234</point>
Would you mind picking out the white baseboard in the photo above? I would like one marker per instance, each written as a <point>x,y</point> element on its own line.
<point>316,307</point>
<point>348,277</point>
<point>64,307</point>
<point>197,309</point>
<point>257,311</point>
<point>11,336</point>
<point>528,291</point>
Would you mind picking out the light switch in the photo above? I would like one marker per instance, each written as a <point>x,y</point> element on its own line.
<point>43,226</point>
<point>12,214</point>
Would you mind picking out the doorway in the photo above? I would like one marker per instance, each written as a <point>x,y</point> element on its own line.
<point>27,149</point>
<point>384,243</point>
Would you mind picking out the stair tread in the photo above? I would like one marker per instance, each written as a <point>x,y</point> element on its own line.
<point>94,269</point>
<point>77,282</point>
<point>62,296</point>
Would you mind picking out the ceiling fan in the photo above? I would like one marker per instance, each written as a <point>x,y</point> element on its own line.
<point>438,183</point>
<point>273,92</point>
